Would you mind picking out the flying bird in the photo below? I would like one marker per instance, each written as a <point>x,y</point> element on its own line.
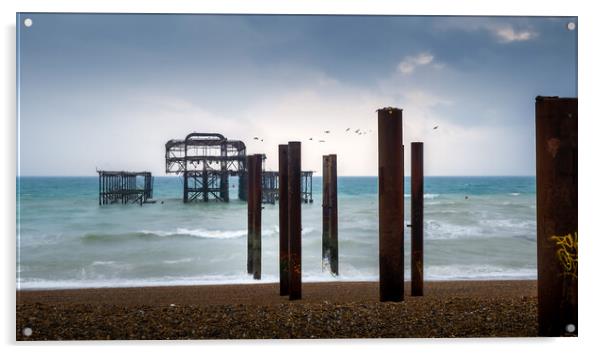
<point>321,141</point>
<point>435,127</point>
<point>357,131</point>
<point>327,131</point>
<point>262,140</point>
<point>347,129</point>
<point>311,138</point>
<point>255,138</point>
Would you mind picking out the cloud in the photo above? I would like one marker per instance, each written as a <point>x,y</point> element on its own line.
<point>508,34</point>
<point>500,29</point>
<point>409,63</point>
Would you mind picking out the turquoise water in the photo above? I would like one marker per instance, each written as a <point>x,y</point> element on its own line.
<point>66,240</point>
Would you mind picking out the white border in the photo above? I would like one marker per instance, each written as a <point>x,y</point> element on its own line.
<point>589,160</point>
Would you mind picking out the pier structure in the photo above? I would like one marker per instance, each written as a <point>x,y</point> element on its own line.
<point>270,186</point>
<point>206,161</point>
<point>124,187</point>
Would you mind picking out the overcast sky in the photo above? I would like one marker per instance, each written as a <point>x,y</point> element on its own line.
<point>107,91</point>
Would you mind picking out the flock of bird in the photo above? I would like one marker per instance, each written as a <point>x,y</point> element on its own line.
<point>357,131</point>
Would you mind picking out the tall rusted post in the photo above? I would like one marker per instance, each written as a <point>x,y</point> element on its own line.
<point>257,228</point>
<point>390,203</point>
<point>417,219</point>
<point>283,220</point>
<point>294,219</point>
<point>254,216</point>
<point>250,214</point>
<point>556,153</point>
<point>330,242</point>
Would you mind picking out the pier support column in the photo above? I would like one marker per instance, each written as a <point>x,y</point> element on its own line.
<point>283,217</point>
<point>254,216</point>
<point>294,219</point>
<point>390,204</point>
<point>556,155</point>
<point>417,219</point>
<point>330,231</point>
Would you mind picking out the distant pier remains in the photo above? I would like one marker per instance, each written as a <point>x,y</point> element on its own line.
<point>123,187</point>
<point>207,160</point>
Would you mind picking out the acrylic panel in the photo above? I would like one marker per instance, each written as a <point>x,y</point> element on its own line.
<point>188,176</point>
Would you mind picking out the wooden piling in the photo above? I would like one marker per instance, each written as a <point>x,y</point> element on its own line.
<point>390,204</point>
<point>283,217</point>
<point>417,219</point>
<point>330,242</point>
<point>557,256</point>
<point>294,219</point>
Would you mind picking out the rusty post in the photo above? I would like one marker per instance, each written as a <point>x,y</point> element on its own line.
<point>417,219</point>
<point>330,243</point>
<point>255,209</point>
<point>283,221</point>
<point>390,204</point>
<point>556,163</point>
<point>294,219</point>
<point>250,213</point>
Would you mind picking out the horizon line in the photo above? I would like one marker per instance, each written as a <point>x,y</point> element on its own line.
<point>373,176</point>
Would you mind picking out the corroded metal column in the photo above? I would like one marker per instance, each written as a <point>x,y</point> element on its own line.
<point>294,219</point>
<point>390,204</point>
<point>556,153</point>
<point>254,216</point>
<point>330,242</point>
<point>417,219</point>
<point>283,217</point>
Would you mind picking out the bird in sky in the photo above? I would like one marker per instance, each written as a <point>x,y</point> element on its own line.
<point>311,138</point>
<point>255,138</point>
<point>322,141</point>
<point>347,129</point>
<point>357,131</point>
<point>327,131</point>
<point>435,127</point>
<point>262,140</point>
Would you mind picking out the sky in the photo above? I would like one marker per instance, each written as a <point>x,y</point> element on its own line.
<point>106,91</point>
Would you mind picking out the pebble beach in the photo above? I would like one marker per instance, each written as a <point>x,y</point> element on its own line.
<point>327,310</point>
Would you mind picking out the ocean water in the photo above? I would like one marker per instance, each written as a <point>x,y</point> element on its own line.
<point>66,240</point>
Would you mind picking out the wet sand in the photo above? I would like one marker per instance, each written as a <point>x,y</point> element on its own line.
<point>327,310</point>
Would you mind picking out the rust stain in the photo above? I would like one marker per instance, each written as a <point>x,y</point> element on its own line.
<point>553,146</point>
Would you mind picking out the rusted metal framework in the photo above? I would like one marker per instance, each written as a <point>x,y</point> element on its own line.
<point>207,160</point>
<point>123,187</point>
<point>270,186</point>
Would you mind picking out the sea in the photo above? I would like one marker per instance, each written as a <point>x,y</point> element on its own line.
<point>475,228</point>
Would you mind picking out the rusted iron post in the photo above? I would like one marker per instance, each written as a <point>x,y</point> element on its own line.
<point>283,220</point>
<point>254,217</point>
<point>417,219</point>
<point>390,204</point>
<point>294,219</point>
<point>254,210</point>
<point>330,242</point>
<point>250,214</point>
<point>257,199</point>
<point>556,155</point>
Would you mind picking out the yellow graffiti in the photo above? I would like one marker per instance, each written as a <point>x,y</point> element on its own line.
<point>566,253</point>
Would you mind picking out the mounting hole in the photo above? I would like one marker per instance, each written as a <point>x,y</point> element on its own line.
<point>27,331</point>
<point>570,328</point>
<point>571,26</point>
<point>28,22</point>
